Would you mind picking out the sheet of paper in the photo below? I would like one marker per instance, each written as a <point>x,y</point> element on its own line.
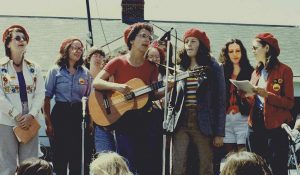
<point>243,85</point>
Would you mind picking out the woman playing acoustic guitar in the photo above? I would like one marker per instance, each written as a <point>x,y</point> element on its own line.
<point>133,135</point>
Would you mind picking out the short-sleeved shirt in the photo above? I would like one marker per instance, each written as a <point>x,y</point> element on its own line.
<point>122,71</point>
<point>67,87</point>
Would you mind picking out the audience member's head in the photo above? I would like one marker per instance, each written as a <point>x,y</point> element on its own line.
<point>35,166</point>
<point>109,163</point>
<point>96,57</point>
<point>245,163</point>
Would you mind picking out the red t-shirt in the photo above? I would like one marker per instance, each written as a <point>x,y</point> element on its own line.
<point>122,71</point>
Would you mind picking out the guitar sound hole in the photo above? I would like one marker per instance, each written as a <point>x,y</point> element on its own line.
<point>129,96</point>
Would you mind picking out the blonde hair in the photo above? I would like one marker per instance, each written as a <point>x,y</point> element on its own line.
<point>109,163</point>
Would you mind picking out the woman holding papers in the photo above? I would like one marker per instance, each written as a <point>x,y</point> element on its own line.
<point>21,98</point>
<point>271,105</point>
<point>237,67</point>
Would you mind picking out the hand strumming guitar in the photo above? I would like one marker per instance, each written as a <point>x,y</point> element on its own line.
<point>123,88</point>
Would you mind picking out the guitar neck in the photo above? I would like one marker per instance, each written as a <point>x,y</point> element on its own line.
<point>158,85</point>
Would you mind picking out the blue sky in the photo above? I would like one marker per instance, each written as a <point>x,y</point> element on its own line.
<point>282,12</point>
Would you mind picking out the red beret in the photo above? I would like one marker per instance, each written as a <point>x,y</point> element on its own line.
<point>129,31</point>
<point>67,42</point>
<point>9,29</point>
<point>193,32</point>
<point>269,38</point>
<point>155,43</point>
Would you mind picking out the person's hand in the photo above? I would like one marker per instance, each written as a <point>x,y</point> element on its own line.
<point>261,91</point>
<point>91,128</point>
<point>24,121</point>
<point>49,130</point>
<point>171,84</point>
<point>218,141</point>
<point>123,88</point>
<point>18,118</point>
<point>241,93</point>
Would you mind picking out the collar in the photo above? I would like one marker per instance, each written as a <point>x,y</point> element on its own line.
<point>6,60</point>
<point>64,67</point>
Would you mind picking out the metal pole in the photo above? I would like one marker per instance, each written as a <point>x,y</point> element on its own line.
<point>90,39</point>
<point>83,100</point>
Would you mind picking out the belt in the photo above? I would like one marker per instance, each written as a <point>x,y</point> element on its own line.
<point>70,104</point>
<point>193,107</point>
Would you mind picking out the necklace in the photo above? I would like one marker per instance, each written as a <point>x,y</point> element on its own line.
<point>18,65</point>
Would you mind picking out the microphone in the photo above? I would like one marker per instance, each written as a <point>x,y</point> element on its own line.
<point>166,35</point>
<point>293,134</point>
<point>83,101</point>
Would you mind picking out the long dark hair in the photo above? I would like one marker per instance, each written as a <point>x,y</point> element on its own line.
<point>245,72</point>
<point>271,56</point>
<point>63,57</point>
<point>203,57</point>
<point>228,65</point>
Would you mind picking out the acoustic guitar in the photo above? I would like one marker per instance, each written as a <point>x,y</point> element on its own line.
<point>106,107</point>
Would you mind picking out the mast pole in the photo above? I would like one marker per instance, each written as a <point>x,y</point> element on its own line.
<point>90,39</point>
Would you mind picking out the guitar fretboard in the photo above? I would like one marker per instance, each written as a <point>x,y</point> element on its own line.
<point>146,89</point>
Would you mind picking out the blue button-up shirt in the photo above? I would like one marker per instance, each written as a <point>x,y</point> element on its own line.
<point>67,87</point>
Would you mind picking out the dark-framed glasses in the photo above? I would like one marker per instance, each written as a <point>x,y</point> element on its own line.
<point>76,48</point>
<point>143,35</point>
<point>19,38</point>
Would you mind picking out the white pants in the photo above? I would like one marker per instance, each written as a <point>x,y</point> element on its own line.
<point>12,152</point>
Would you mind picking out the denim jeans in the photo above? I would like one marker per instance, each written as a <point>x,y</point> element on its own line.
<point>139,140</point>
<point>104,140</point>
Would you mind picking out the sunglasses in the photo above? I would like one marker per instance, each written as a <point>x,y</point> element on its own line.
<point>19,38</point>
<point>256,47</point>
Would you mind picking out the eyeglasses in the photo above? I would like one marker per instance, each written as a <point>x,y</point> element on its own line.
<point>19,38</point>
<point>81,49</point>
<point>143,35</point>
<point>255,47</point>
<point>153,56</point>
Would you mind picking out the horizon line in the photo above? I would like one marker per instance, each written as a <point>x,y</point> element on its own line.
<point>149,20</point>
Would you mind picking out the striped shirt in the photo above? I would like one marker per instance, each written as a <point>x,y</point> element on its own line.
<point>191,89</point>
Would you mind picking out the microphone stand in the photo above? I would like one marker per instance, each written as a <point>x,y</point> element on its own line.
<point>83,100</point>
<point>293,152</point>
<point>167,35</point>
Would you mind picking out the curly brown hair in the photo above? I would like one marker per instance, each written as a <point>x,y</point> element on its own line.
<point>63,57</point>
<point>90,53</point>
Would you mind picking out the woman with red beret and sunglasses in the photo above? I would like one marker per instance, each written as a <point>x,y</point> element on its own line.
<point>21,98</point>
<point>271,104</point>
